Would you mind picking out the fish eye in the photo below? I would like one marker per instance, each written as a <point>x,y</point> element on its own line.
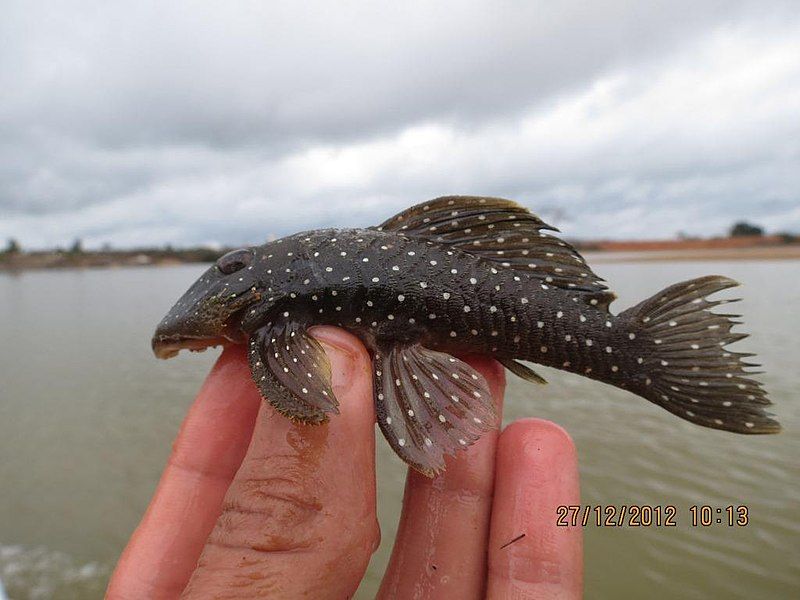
<point>233,261</point>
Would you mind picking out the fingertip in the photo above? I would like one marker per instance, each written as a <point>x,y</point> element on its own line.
<point>339,340</point>
<point>231,363</point>
<point>488,367</point>
<point>351,366</point>
<point>495,375</point>
<point>538,439</point>
<point>492,370</point>
<point>529,553</point>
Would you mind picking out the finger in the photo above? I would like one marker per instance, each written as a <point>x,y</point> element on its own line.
<point>299,518</point>
<point>530,556</point>
<point>440,549</point>
<point>208,450</point>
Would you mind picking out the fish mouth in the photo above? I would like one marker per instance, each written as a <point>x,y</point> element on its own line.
<point>167,346</point>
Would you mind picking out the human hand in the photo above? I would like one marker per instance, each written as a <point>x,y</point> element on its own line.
<point>253,505</point>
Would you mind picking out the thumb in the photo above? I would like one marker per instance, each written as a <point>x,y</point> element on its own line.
<point>299,517</point>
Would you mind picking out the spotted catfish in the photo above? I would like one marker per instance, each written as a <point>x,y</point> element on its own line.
<point>451,276</point>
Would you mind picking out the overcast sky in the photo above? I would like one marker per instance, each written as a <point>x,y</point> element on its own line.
<point>139,123</point>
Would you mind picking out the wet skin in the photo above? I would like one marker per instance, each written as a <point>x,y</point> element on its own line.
<point>251,504</point>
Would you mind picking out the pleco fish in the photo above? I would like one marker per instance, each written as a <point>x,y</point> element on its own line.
<point>451,276</point>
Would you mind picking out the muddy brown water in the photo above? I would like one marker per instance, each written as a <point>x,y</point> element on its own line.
<point>87,416</point>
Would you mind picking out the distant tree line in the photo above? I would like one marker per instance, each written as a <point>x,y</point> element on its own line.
<point>12,247</point>
<point>204,254</point>
<point>745,229</point>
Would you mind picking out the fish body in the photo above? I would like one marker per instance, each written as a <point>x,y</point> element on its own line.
<point>452,276</point>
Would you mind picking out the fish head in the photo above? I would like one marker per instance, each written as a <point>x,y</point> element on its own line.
<point>210,312</point>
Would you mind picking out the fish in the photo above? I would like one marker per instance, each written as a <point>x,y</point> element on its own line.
<point>453,276</point>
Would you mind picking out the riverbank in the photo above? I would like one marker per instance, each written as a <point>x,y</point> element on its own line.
<point>22,261</point>
<point>603,251</point>
<point>783,252</point>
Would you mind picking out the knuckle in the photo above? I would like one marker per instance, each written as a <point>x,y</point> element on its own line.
<point>271,513</point>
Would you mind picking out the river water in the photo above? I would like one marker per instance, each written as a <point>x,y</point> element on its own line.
<point>87,416</point>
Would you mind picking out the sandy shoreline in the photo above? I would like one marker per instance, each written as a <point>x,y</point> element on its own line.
<point>783,252</point>
<point>90,260</point>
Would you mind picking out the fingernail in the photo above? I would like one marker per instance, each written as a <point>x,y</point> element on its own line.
<point>342,367</point>
<point>538,444</point>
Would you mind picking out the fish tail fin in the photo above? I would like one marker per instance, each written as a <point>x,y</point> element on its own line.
<point>683,364</point>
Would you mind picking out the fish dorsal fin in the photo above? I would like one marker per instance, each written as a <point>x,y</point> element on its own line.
<point>429,404</point>
<point>292,372</point>
<point>522,371</point>
<point>500,231</point>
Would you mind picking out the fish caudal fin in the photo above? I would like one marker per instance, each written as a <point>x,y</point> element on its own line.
<point>687,368</point>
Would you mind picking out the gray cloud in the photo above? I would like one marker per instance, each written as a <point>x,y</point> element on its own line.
<point>144,123</point>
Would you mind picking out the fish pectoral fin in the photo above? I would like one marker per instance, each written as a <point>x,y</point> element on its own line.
<point>502,232</point>
<point>429,404</point>
<point>523,371</point>
<point>292,372</point>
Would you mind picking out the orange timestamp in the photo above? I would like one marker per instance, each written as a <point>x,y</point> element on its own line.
<point>646,515</point>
